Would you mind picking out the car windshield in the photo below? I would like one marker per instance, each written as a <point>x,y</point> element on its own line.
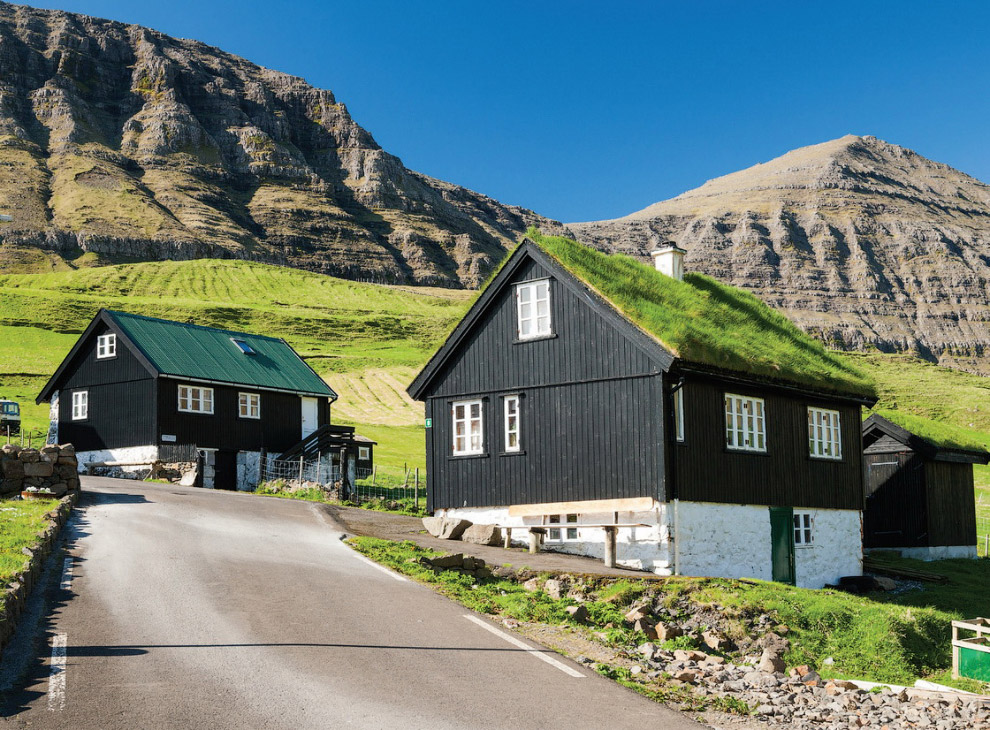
<point>10,409</point>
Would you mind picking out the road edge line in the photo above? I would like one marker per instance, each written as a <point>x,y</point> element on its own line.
<point>523,645</point>
<point>372,563</point>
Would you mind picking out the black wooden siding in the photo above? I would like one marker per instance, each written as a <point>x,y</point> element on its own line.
<point>279,427</point>
<point>584,347</point>
<point>591,409</point>
<point>951,503</point>
<point>705,470</point>
<point>599,440</point>
<point>121,399</point>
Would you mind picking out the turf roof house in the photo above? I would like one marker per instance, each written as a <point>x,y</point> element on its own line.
<point>133,386</point>
<point>586,388</point>
<point>919,487</point>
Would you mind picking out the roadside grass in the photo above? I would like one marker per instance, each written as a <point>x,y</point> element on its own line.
<point>878,638</point>
<point>315,494</point>
<point>21,521</point>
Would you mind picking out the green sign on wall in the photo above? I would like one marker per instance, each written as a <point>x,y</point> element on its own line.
<point>429,423</point>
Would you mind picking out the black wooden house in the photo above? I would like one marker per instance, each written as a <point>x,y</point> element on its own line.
<point>919,489</point>
<point>134,390</point>
<point>586,389</point>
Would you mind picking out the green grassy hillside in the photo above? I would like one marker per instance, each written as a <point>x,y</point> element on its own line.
<point>365,340</point>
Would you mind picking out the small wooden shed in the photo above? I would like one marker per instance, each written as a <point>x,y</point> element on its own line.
<point>919,490</point>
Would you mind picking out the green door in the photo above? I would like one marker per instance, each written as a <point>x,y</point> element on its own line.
<point>782,543</point>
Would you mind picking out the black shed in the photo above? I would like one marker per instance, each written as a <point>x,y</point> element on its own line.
<point>919,491</point>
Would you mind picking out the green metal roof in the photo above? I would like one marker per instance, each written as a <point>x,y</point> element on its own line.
<point>192,351</point>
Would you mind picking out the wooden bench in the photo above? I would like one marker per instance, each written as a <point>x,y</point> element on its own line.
<point>536,533</point>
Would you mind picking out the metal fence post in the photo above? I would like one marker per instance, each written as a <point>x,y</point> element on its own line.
<point>416,492</point>
<point>300,471</point>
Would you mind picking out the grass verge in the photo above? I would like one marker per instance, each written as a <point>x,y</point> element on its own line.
<point>21,522</point>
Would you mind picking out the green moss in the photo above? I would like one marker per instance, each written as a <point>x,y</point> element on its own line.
<point>703,321</point>
<point>942,435</point>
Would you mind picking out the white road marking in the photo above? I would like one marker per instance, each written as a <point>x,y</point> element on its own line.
<point>66,583</point>
<point>56,680</point>
<point>522,645</point>
<point>382,568</point>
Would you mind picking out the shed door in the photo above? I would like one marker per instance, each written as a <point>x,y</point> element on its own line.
<point>895,511</point>
<point>782,543</point>
<point>310,416</point>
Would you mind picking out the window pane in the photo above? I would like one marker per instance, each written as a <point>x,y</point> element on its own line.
<point>475,410</point>
<point>525,293</point>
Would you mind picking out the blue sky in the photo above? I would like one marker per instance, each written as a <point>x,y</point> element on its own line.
<point>587,110</point>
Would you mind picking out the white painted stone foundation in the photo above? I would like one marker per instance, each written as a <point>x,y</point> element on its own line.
<point>937,552</point>
<point>248,470</point>
<point>718,540</point>
<point>134,458</point>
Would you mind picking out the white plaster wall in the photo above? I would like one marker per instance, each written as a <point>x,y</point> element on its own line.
<point>939,552</point>
<point>248,470</point>
<point>641,548</point>
<point>836,549</point>
<point>723,540</point>
<point>141,455</point>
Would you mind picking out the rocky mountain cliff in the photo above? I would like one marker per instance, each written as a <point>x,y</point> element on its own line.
<point>863,243</point>
<point>121,143</point>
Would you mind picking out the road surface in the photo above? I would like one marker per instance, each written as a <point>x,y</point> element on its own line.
<point>186,608</point>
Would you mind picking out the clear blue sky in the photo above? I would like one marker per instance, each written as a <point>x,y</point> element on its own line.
<point>586,110</point>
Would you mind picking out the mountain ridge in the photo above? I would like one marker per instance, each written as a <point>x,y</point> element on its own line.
<point>121,143</point>
<point>865,244</point>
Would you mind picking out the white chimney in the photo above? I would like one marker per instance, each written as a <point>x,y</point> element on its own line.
<point>669,260</point>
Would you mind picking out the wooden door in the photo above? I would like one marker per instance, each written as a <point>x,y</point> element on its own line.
<point>310,416</point>
<point>895,514</point>
<point>782,544</point>
<point>226,470</point>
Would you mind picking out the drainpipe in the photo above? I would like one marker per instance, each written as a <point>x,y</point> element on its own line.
<point>677,539</point>
<point>671,491</point>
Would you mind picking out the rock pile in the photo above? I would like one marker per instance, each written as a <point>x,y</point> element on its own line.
<point>455,529</point>
<point>459,563</point>
<point>51,470</point>
<point>802,699</point>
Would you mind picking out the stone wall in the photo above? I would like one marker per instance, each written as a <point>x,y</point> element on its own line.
<point>51,470</point>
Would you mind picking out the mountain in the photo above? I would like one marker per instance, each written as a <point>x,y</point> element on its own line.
<point>118,143</point>
<point>863,243</point>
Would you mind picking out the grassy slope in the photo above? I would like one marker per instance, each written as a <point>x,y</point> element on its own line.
<point>20,524</point>
<point>370,337</point>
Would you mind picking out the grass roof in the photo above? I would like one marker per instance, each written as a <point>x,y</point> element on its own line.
<point>941,435</point>
<point>703,321</point>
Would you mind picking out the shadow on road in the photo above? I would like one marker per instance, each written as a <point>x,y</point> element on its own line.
<point>140,649</point>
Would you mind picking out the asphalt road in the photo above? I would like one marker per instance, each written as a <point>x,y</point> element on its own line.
<point>186,608</point>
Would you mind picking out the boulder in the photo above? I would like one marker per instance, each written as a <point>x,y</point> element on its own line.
<point>555,589</point>
<point>483,535</point>
<point>771,662</point>
<point>884,583</point>
<point>448,561</point>
<point>577,613</point>
<point>646,626</point>
<point>689,655</point>
<point>533,585</point>
<point>636,613</point>
<point>445,528</point>
<point>714,640</point>
<point>668,631</point>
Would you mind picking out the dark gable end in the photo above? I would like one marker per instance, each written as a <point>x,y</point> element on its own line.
<point>70,363</point>
<point>524,254</point>
<point>876,427</point>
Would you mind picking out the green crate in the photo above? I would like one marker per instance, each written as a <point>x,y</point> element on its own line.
<point>974,658</point>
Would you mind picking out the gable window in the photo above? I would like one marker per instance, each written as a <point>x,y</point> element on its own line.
<point>803,529</point>
<point>106,346</point>
<point>511,405</point>
<point>467,427</point>
<point>364,453</point>
<point>249,405</point>
<point>824,434</point>
<point>745,424</point>
<point>193,399</point>
<point>80,405</point>
<point>565,533</point>
<point>679,414</point>
<point>533,309</point>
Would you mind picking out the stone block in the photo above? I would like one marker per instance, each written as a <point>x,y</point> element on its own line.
<point>12,468</point>
<point>29,456</point>
<point>38,469</point>
<point>67,450</point>
<point>444,528</point>
<point>49,454</point>
<point>483,535</point>
<point>578,613</point>
<point>668,631</point>
<point>448,561</point>
<point>771,662</point>
<point>555,589</point>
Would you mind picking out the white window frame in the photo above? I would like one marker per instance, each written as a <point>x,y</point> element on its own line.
<point>511,425</point>
<point>80,405</point>
<point>364,453</point>
<point>804,529</point>
<point>531,324</point>
<point>194,399</point>
<point>472,441</point>
<point>678,399</point>
<point>106,346</point>
<point>745,423</point>
<point>566,530</point>
<point>249,406</point>
<point>824,434</point>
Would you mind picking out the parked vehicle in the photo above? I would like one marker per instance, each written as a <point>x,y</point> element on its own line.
<point>10,418</point>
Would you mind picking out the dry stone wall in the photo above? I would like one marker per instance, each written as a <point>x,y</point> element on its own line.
<point>51,470</point>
